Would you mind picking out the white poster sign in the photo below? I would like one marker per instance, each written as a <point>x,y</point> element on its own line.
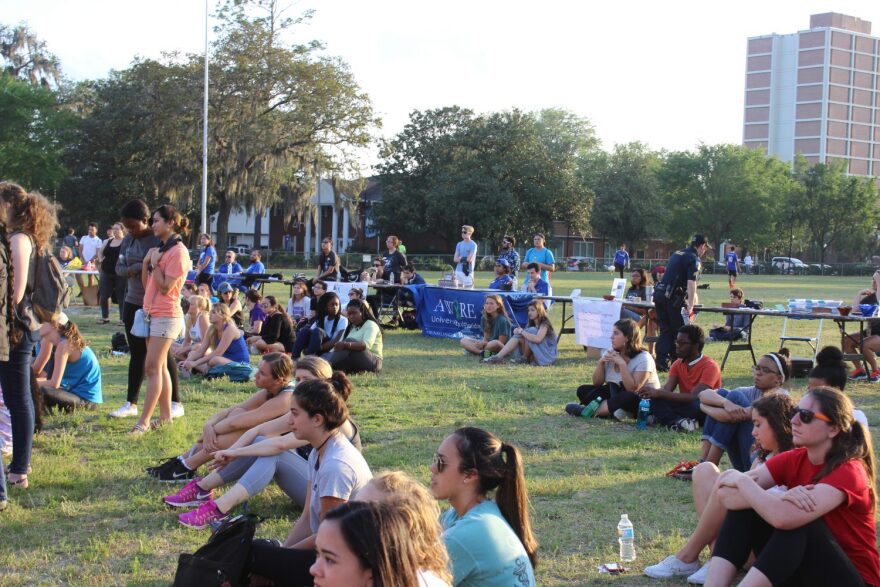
<point>618,288</point>
<point>594,321</point>
<point>343,287</point>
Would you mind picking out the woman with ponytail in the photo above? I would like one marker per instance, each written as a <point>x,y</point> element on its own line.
<point>821,531</point>
<point>75,380</point>
<point>33,222</point>
<point>490,543</point>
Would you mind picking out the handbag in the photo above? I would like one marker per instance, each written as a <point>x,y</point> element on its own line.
<point>223,561</point>
<point>141,325</point>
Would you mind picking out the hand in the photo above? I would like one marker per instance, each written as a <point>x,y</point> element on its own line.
<point>649,392</point>
<point>731,478</point>
<point>517,331</point>
<point>801,497</point>
<point>736,412</point>
<point>222,458</point>
<point>209,438</point>
<point>339,346</point>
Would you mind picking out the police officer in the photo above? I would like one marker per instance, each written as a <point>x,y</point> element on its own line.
<point>676,294</point>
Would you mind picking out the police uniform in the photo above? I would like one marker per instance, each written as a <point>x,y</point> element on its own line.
<point>670,297</point>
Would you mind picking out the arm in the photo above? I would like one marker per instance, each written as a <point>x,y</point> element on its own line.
<point>691,296</point>
<point>46,348</point>
<point>268,429</point>
<point>599,372</point>
<point>222,345</point>
<point>538,337</point>
<point>635,381</point>
<point>21,260</point>
<point>62,353</point>
<point>327,504</point>
<point>265,448</point>
<point>277,406</point>
<point>302,528</point>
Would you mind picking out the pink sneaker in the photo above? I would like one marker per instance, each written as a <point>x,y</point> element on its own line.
<point>202,516</point>
<point>190,496</point>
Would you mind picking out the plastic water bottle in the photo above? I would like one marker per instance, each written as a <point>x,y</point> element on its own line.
<point>391,280</point>
<point>685,316</point>
<point>590,409</point>
<point>642,418</point>
<point>626,538</point>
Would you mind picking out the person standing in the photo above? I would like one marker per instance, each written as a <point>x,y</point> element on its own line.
<point>621,260</point>
<point>207,260</point>
<point>732,263</point>
<point>139,240</point>
<point>88,250</point>
<point>542,256</point>
<point>328,263</point>
<point>33,221</point>
<point>748,262</point>
<point>8,340</point>
<point>676,295</point>
<point>393,261</point>
<point>509,253</point>
<point>71,241</point>
<point>111,284</point>
<point>465,257</point>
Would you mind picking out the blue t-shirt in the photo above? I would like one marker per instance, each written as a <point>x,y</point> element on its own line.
<point>211,253</point>
<point>464,249</point>
<point>229,268</point>
<point>483,549</point>
<point>504,282</point>
<point>542,288</point>
<point>545,256</point>
<point>621,258</point>
<point>416,280</point>
<point>83,377</point>
<point>237,351</point>
<point>256,267</point>
<point>731,261</point>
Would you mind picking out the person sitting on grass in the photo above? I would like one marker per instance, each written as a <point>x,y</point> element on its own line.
<point>830,371</point>
<point>494,325</point>
<point>533,283</point>
<point>866,342</point>
<point>692,372</point>
<point>771,418</point>
<point>536,343</point>
<point>204,290</point>
<point>268,451</point>
<point>299,306</point>
<point>620,375</point>
<point>272,399</point>
<point>728,424</point>
<point>336,472</point>
<point>360,349</point>
<point>503,280</point>
<point>325,330</point>
<point>276,334</point>
<point>229,296</point>
<point>256,315</point>
<point>822,531</point>
<point>490,542</point>
<point>75,379</point>
<point>195,327</point>
<point>734,324</point>
<point>224,343</point>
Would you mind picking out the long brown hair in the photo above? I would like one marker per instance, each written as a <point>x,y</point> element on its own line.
<point>543,318</point>
<point>778,410</point>
<point>70,331</point>
<point>13,333</point>
<point>853,442</point>
<point>31,214</point>
<point>633,334</point>
<point>499,466</point>
<point>214,333</point>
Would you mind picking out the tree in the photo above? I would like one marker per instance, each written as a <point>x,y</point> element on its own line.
<point>728,192</point>
<point>507,172</point>
<point>628,205</point>
<point>26,57</point>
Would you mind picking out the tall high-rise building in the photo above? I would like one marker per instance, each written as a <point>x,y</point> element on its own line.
<point>816,92</point>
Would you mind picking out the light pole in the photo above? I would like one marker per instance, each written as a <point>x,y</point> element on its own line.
<point>205,135</point>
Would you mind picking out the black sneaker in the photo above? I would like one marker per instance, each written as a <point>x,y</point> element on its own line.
<point>154,471</point>
<point>574,409</point>
<point>174,471</point>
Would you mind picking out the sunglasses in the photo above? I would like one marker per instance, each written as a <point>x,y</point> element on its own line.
<point>808,415</point>
<point>438,462</point>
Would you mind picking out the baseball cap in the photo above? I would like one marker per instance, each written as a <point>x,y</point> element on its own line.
<point>700,239</point>
<point>224,287</point>
<point>502,262</point>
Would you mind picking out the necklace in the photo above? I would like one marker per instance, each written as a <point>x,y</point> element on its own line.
<point>318,451</point>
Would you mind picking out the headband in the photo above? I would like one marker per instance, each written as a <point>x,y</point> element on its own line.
<point>778,364</point>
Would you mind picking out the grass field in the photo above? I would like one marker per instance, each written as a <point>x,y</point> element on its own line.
<point>91,516</point>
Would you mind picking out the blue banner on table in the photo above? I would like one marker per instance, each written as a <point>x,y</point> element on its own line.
<point>455,313</point>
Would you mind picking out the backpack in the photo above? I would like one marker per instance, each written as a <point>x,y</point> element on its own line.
<point>119,344</point>
<point>50,294</point>
<point>223,561</point>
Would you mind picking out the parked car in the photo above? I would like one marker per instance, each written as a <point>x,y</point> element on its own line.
<point>788,265</point>
<point>241,249</point>
<point>578,264</point>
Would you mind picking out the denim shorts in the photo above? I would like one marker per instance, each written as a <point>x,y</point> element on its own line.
<point>166,327</point>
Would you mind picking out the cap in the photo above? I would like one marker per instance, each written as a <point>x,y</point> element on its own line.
<point>502,262</point>
<point>62,319</point>
<point>224,287</point>
<point>700,239</point>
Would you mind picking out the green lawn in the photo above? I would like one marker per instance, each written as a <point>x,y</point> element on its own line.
<point>92,517</point>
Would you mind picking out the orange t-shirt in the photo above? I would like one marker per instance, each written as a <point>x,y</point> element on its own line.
<point>705,370</point>
<point>174,263</point>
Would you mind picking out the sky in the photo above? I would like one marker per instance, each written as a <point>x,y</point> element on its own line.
<point>667,74</point>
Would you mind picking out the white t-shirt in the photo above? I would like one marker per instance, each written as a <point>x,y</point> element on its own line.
<point>641,362</point>
<point>90,246</point>
<point>297,310</point>
<point>341,473</point>
<point>430,579</point>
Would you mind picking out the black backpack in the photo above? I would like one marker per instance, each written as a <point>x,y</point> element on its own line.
<point>223,561</point>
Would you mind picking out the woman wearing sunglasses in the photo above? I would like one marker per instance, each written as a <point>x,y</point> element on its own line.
<point>819,532</point>
<point>728,425</point>
<point>490,543</point>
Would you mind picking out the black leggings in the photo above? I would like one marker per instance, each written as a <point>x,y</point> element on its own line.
<point>286,567</point>
<point>616,396</point>
<point>808,555</point>
<point>64,400</point>
<point>111,285</point>
<point>354,362</point>
<point>137,348</point>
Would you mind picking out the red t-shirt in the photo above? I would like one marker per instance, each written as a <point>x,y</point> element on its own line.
<point>705,370</point>
<point>852,522</point>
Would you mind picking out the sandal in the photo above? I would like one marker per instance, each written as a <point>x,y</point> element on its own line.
<point>683,470</point>
<point>21,483</point>
<point>138,430</point>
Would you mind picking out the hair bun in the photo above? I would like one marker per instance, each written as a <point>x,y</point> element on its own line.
<point>830,356</point>
<point>784,352</point>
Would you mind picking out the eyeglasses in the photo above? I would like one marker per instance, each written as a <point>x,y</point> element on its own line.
<point>764,370</point>
<point>808,415</point>
<point>438,462</point>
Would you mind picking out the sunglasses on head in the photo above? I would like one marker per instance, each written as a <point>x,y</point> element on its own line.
<point>808,415</point>
<point>438,462</point>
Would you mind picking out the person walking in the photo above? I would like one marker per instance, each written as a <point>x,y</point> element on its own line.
<point>621,260</point>
<point>676,295</point>
<point>111,284</point>
<point>732,262</point>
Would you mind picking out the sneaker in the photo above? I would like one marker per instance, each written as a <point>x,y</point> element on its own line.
<point>684,425</point>
<point>174,471</point>
<point>190,496</point>
<point>202,516</point>
<point>126,410</point>
<point>874,377</point>
<point>672,567</point>
<point>699,578</point>
<point>493,360</point>
<point>858,375</point>
<point>177,410</point>
<point>154,471</point>
<point>574,409</point>
<point>621,414</point>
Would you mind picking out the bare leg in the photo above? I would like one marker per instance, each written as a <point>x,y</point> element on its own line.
<point>721,572</point>
<point>158,381</point>
<point>709,510</point>
<point>494,346</point>
<point>508,347</point>
<point>236,494</point>
<point>754,578</point>
<point>472,345</point>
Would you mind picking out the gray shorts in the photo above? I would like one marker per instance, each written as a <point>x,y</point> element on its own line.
<point>166,327</point>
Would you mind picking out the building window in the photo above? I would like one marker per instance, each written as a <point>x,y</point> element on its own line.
<point>640,253</point>
<point>584,249</point>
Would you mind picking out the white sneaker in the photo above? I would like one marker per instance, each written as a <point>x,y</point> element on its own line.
<point>177,410</point>
<point>621,414</point>
<point>687,424</point>
<point>699,578</point>
<point>126,410</point>
<point>672,567</point>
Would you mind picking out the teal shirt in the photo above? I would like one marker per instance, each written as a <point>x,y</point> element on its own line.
<point>83,377</point>
<point>483,549</point>
<point>500,327</point>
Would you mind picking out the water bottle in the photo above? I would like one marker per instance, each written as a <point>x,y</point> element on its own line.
<point>685,316</point>
<point>590,409</point>
<point>626,538</point>
<point>649,293</point>
<point>391,280</point>
<point>642,418</point>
